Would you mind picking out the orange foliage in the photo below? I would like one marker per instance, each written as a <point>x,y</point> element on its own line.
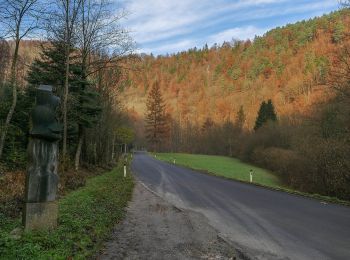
<point>287,65</point>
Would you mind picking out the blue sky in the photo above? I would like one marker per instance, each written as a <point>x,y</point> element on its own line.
<point>168,26</point>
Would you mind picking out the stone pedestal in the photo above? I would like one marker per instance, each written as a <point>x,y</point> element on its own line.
<point>40,216</point>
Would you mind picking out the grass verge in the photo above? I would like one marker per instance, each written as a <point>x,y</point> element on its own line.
<point>231,168</point>
<point>86,218</point>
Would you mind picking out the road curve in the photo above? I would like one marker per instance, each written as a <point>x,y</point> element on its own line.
<point>262,223</point>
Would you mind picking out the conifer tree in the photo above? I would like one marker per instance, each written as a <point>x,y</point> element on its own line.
<point>270,111</point>
<point>266,113</point>
<point>156,120</point>
<point>49,68</point>
<point>84,101</point>
<point>262,118</point>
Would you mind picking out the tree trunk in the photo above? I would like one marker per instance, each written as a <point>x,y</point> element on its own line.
<point>8,120</point>
<point>65,103</point>
<point>14,95</point>
<point>78,151</point>
<point>113,148</point>
<point>81,127</point>
<point>66,81</point>
<point>95,152</point>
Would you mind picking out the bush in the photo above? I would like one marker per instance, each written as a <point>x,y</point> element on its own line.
<point>285,162</point>
<point>12,193</point>
<point>330,171</point>
<point>269,135</point>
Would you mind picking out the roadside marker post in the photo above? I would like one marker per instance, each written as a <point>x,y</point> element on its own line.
<point>124,170</point>
<point>251,175</point>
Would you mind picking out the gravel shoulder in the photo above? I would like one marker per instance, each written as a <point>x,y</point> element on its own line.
<point>155,229</point>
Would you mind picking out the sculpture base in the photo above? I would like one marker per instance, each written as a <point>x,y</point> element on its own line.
<point>40,216</point>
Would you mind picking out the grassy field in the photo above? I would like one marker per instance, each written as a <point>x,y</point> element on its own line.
<point>223,166</point>
<point>86,218</point>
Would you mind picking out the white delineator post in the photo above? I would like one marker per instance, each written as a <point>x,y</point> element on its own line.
<point>251,175</point>
<point>124,170</point>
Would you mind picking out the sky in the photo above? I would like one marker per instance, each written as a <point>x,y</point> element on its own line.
<point>170,26</point>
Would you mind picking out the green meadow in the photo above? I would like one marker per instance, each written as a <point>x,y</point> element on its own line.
<point>223,166</point>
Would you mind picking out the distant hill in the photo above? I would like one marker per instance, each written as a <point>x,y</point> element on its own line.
<point>288,65</point>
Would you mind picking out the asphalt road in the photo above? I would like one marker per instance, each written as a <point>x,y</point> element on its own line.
<point>261,223</point>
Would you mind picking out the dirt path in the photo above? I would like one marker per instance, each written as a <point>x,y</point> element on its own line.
<point>154,229</point>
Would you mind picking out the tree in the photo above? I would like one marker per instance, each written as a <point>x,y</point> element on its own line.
<point>98,145</point>
<point>240,118</point>
<point>101,40</point>
<point>18,19</point>
<point>338,32</point>
<point>125,135</point>
<point>270,111</point>
<point>262,117</point>
<point>332,125</point>
<point>15,150</point>
<point>345,3</point>
<point>87,111</point>
<point>61,26</point>
<point>84,105</point>
<point>266,113</point>
<point>339,74</point>
<point>49,67</point>
<point>205,48</point>
<point>229,133</point>
<point>207,125</point>
<point>156,122</point>
<point>4,59</point>
<point>98,30</point>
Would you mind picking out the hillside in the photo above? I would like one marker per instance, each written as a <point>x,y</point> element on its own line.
<point>28,51</point>
<point>288,65</point>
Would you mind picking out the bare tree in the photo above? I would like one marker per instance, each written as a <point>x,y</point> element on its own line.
<point>18,19</point>
<point>339,75</point>
<point>61,25</point>
<point>4,59</point>
<point>99,31</point>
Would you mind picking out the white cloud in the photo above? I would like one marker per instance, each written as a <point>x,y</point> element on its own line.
<point>238,33</point>
<point>154,20</point>
<point>163,26</point>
